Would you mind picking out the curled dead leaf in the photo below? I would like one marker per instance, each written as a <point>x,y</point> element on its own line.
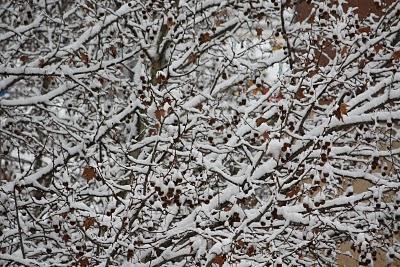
<point>24,58</point>
<point>66,238</point>
<point>300,94</point>
<point>113,51</point>
<point>47,81</point>
<point>42,63</point>
<point>364,30</point>
<point>130,254</point>
<point>224,76</point>
<point>325,101</point>
<point>204,37</point>
<point>160,114</point>
<point>293,191</point>
<point>219,259</point>
<point>88,222</point>
<point>260,121</point>
<point>170,23</point>
<point>192,59</point>
<point>259,31</point>
<point>84,58</point>
<point>378,47</point>
<point>160,79</point>
<point>84,262</point>
<point>265,135</point>
<point>89,173</point>
<point>343,108</point>
<point>199,107</point>
<point>396,55</point>
<point>251,250</point>
<point>260,90</point>
<point>240,244</point>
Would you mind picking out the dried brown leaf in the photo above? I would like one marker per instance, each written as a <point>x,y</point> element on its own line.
<point>365,29</point>
<point>260,121</point>
<point>240,244</point>
<point>325,101</point>
<point>337,114</point>
<point>42,63</point>
<point>88,222</point>
<point>192,59</point>
<point>66,238</point>
<point>260,90</point>
<point>293,192</point>
<point>378,47</point>
<point>204,37</point>
<point>113,51</point>
<point>89,173</point>
<point>259,31</point>
<point>161,79</point>
<point>224,76</point>
<point>343,108</point>
<point>84,58</point>
<point>170,23</point>
<point>24,58</point>
<point>251,250</point>
<point>199,107</point>
<point>300,94</point>
<point>84,262</point>
<point>396,55</point>
<point>130,254</point>
<point>47,81</point>
<point>220,260</point>
<point>159,113</point>
<point>265,135</point>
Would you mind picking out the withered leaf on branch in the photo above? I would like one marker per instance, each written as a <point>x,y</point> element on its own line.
<point>170,23</point>
<point>84,58</point>
<point>325,101</point>
<point>364,30</point>
<point>84,262</point>
<point>340,111</point>
<point>251,250</point>
<point>224,76</point>
<point>88,222</point>
<point>265,135</point>
<point>260,121</point>
<point>113,51</point>
<point>260,90</point>
<point>192,59</point>
<point>343,108</point>
<point>89,173</point>
<point>47,81</point>
<point>240,244</point>
<point>219,259</point>
<point>42,63</point>
<point>159,113</point>
<point>293,191</point>
<point>161,79</point>
<point>66,238</point>
<point>300,94</point>
<point>396,55</point>
<point>259,31</point>
<point>24,58</point>
<point>204,37</point>
<point>129,254</point>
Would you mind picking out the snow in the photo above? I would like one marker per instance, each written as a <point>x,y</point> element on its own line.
<point>204,183</point>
